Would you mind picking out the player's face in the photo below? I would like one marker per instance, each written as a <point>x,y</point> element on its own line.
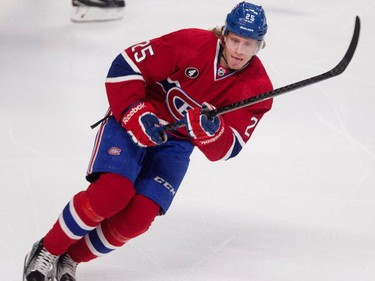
<point>239,50</point>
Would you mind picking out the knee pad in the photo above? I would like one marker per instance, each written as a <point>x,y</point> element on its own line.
<point>109,194</point>
<point>132,221</point>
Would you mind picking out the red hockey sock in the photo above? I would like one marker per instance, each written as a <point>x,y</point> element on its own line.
<point>114,232</point>
<point>103,198</point>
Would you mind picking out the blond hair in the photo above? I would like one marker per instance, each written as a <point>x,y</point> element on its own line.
<point>218,31</point>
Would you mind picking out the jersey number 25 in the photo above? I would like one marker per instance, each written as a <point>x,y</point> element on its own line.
<point>141,54</point>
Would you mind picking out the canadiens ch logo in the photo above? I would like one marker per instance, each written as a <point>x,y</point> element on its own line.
<point>114,151</point>
<point>179,102</point>
<point>191,72</point>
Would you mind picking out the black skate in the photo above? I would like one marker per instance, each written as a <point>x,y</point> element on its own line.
<point>66,269</point>
<point>39,264</point>
<point>97,10</point>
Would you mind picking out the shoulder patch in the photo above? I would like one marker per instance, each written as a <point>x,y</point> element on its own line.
<point>191,72</point>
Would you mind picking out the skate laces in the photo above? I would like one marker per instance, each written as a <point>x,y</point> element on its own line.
<point>44,261</point>
<point>69,266</point>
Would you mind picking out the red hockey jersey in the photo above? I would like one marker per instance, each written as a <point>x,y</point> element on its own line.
<point>181,70</point>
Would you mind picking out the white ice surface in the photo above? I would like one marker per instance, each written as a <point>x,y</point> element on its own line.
<point>298,204</point>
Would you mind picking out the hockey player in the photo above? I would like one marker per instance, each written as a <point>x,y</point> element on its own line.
<point>97,10</point>
<point>136,168</point>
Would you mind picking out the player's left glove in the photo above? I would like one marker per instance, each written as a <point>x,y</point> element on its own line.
<point>200,126</point>
<point>143,125</point>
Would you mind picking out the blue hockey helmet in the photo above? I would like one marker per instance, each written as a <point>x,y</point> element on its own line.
<point>247,20</point>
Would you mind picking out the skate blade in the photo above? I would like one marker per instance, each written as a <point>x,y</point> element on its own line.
<point>89,14</point>
<point>25,266</point>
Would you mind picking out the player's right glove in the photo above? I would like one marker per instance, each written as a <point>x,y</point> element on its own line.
<point>142,125</point>
<point>199,125</point>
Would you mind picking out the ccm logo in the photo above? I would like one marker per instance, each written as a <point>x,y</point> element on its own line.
<point>166,184</point>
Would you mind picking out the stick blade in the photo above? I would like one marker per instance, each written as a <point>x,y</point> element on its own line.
<point>338,69</point>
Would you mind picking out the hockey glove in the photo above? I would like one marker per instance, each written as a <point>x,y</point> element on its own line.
<point>143,125</point>
<point>199,125</point>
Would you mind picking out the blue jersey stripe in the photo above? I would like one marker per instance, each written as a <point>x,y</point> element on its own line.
<point>120,67</point>
<point>236,149</point>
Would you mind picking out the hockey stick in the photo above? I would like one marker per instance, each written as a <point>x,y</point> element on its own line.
<point>337,70</point>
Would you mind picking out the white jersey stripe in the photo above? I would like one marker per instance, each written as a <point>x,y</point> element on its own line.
<point>123,78</point>
<point>130,62</point>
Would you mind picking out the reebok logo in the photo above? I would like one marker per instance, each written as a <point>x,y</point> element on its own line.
<point>133,111</point>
